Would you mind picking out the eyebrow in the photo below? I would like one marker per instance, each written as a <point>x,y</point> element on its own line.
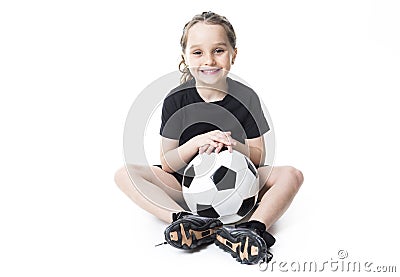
<point>215,44</point>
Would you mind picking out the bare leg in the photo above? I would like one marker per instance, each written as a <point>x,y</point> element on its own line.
<point>277,193</point>
<point>152,189</point>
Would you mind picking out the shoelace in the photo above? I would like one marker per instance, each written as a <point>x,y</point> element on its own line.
<point>162,243</point>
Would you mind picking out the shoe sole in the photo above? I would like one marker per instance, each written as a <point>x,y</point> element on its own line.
<point>245,247</point>
<point>187,234</point>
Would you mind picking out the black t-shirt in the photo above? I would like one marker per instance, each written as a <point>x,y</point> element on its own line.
<point>185,114</point>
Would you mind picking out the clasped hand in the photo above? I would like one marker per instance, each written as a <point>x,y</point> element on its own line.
<point>214,141</point>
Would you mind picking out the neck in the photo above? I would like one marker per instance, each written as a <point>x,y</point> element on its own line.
<point>212,92</point>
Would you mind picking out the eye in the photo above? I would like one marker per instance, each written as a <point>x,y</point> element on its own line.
<point>219,50</point>
<point>197,53</point>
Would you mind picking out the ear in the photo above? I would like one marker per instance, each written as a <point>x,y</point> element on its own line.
<point>234,55</point>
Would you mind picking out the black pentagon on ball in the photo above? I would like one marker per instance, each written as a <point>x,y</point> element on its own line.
<point>246,206</point>
<point>224,178</point>
<point>251,167</point>
<point>206,211</point>
<point>188,176</point>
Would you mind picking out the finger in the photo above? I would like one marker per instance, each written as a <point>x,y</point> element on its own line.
<point>220,145</point>
<point>232,140</point>
<point>212,142</point>
<point>220,133</point>
<point>221,139</point>
<point>228,136</point>
<point>202,149</point>
<point>210,149</point>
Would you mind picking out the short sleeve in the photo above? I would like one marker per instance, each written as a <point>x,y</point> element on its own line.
<point>170,121</point>
<point>256,123</point>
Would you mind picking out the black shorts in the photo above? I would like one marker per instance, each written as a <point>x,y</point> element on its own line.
<point>177,175</point>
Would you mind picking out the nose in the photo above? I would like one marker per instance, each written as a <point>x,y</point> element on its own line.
<point>209,59</point>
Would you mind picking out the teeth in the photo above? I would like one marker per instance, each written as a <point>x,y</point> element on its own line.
<point>209,70</point>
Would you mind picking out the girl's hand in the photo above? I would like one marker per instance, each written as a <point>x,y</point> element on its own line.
<point>216,141</point>
<point>209,149</point>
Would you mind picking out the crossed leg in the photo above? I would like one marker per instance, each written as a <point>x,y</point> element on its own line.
<point>279,186</point>
<point>152,189</point>
<point>159,193</point>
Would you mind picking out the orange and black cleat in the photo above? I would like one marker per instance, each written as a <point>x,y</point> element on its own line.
<point>188,231</point>
<point>247,242</point>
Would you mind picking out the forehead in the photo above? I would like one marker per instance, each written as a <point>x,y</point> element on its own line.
<point>202,34</point>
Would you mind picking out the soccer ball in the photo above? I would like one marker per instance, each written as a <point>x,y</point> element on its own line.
<point>223,185</point>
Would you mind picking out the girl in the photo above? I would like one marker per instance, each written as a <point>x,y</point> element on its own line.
<point>192,123</point>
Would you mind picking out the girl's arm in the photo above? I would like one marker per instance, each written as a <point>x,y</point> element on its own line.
<point>252,148</point>
<point>173,157</point>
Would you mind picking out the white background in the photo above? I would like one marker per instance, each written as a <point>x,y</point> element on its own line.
<point>328,71</point>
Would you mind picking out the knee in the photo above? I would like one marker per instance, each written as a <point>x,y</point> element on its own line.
<point>296,176</point>
<point>119,176</point>
<point>123,176</point>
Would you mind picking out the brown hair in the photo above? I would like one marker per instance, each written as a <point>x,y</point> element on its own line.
<point>208,18</point>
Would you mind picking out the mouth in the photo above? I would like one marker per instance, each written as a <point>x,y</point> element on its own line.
<point>210,71</point>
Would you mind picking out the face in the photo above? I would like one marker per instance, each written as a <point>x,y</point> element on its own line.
<point>208,53</point>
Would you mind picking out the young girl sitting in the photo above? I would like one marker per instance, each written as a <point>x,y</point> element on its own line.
<point>191,124</point>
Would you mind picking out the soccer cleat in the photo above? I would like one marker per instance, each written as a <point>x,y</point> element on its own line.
<point>247,242</point>
<point>189,231</point>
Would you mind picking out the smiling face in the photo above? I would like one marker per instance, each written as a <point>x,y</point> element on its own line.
<point>208,53</point>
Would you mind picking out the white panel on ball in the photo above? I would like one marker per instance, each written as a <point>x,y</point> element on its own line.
<point>204,164</point>
<point>200,184</point>
<point>234,160</point>
<point>204,197</point>
<point>247,184</point>
<point>222,195</point>
<point>230,205</point>
<point>190,202</point>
